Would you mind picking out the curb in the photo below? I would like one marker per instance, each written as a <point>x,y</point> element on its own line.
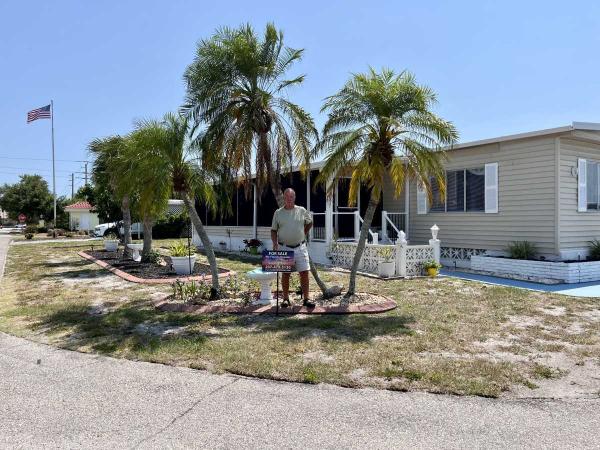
<point>128,277</point>
<point>375,308</point>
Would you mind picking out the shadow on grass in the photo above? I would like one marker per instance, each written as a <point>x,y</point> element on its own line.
<point>353,328</point>
<point>80,263</point>
<point>77,273</point>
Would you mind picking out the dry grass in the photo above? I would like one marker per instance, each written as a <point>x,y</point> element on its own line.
<point>446,335</point>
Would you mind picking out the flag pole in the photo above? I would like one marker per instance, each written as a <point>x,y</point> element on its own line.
<point>53,165</point>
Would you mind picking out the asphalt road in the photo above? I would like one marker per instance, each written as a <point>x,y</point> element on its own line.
<point>54,398</point>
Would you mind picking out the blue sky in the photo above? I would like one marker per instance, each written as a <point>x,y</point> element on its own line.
<point>497,67</point>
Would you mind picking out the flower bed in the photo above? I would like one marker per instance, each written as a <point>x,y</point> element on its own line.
<point>362,303</point>
<point>549,272</point>
<point>149,273</point>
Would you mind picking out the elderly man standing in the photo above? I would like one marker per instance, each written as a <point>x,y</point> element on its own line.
<point>291,224</point>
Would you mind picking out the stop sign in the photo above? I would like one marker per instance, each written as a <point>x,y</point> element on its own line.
<point>22,218</point>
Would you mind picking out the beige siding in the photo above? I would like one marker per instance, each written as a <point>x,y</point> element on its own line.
<point>526,196</point>
<point>576,228</point>
<point>391,202</point>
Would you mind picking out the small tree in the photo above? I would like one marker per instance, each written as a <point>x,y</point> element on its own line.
<point>29,196</point>
<point>382,123</point>
<point>167,155</point>
<point>110,162</point>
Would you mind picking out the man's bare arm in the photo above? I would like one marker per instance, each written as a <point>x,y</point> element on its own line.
<point>307,228</point>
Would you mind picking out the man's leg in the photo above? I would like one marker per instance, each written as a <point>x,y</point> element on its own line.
<point>285,286</point>
<point>304,283</point>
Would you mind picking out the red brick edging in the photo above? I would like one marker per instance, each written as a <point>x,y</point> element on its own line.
<point>165,306</point>
<point>128,277</point>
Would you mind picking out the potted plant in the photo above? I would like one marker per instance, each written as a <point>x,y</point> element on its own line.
<point>432,268</point>
<point>182,258</point>
<point>111,243</point>
<point>223,245</point>
<point>387,267</point>
<point>252,245</point>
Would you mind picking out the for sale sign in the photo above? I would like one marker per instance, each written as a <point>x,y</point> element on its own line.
<point>278,261</point>
<point>22,218</point>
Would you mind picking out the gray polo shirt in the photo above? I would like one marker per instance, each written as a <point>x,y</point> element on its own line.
<point>289,224</point>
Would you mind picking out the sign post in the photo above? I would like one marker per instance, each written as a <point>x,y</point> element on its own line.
<point>278,261</point>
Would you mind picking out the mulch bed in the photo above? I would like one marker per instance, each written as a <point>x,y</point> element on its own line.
<point>361,303</point>
<point>148,273</point>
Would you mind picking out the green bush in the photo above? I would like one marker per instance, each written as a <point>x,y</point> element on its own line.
<point>31,229</point>
<point>180,249</point>
<point>170,227</point>
<point>522,250</point>
<point>28,235</point>
<point>594,250</point>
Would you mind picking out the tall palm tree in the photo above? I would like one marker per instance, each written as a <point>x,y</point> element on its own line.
<point>237,85</point>
<point>166,155</point>
<point>110,162</point>
<point>382,123</point>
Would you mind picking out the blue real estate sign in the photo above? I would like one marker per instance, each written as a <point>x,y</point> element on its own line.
<point>278,261</point>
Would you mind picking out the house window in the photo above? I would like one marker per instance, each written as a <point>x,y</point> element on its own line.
<point>465,191</point>
<point>593,196</point>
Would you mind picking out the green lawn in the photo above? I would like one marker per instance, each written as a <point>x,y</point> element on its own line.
<point>446,335</point>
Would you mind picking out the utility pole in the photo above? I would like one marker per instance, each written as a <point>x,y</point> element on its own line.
<point>86,173</point>
<point>72,186</point>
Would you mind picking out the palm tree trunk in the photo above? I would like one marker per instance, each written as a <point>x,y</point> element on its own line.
<point>328,292</point>
<point>210,254</point>
<point>125,209</point>
<point>274,175</point>
<point>147,222</point>
<point>362,240</point>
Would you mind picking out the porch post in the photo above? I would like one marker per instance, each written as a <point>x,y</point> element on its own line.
<point>356,225</point>
<point>384,234</point>
<point>435,243</point>
<point>328,212</point>
<point>254,212</point>
<point>308,191</point>
<point>401,254</point>
<point>406,206</point>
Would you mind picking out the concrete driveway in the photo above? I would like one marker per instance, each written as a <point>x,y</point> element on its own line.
<point>56,398</point>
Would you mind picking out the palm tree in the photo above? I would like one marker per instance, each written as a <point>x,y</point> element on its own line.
<point>153,196</point>
<point>237,85</point>
<point>382,123</point>
<point>110,162</point>
<point>166,155</point>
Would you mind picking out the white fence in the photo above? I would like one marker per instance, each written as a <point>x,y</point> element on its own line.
<point>408,259</point>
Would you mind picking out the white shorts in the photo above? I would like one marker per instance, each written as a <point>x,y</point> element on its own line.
<point>300,256</point>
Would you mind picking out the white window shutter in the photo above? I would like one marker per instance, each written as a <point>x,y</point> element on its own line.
<point>581,185</point>
<point>491,188</point>
<point>421,199</point>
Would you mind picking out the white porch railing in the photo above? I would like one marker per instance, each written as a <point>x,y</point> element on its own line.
<point>408,259</point>
<point>391,225</point>
<point>317,232</point>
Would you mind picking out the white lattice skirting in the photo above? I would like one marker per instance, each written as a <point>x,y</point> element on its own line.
<point>408,259</point>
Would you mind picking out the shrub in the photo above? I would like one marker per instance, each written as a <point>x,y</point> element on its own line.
<point>180,249</point>
<point>28,235</point>
<point>594,250</point>
<point>431,265</point>
<point>31,229</point>
<point>172,226</point>
<point>68,234</point>
<point>522,250</point>
<point>152,257</point>
<point>253,242</point>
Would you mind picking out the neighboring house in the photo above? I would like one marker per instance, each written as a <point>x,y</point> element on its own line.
<point>541,186</point>
<point>81,216</point>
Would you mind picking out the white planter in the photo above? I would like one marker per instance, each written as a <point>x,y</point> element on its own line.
<point>111,245</point>
<point>182,264</point>
<point>387,269</point>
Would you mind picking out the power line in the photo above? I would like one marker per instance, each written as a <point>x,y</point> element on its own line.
<point>33,168</point>
<point>44,159</point>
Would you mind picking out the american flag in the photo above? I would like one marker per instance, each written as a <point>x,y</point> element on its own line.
<point>40,113</point>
